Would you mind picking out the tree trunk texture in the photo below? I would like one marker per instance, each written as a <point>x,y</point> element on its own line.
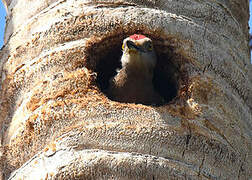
<point>58,123</point>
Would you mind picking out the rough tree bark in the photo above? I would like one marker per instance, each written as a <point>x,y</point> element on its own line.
<point>58,123</point>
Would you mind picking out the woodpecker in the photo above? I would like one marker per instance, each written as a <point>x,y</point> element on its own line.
<point>133,83</point>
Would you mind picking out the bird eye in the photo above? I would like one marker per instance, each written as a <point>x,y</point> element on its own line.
<point>149,46</point>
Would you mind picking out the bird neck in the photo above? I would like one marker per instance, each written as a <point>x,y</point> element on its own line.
<point>139,71</point>
<point>133,65</point>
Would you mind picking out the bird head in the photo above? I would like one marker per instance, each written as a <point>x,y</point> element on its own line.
<point>138,50</point>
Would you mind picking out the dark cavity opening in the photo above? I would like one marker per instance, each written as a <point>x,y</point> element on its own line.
<point>104,59</point>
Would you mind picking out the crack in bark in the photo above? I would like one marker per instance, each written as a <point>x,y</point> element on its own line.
<point>188,137</point>
<point>151,144</point>
<point>242,169</point>
<point>201,165</point>
<point>208,65</point>
<point>204,35</point>
<point>102,4</point>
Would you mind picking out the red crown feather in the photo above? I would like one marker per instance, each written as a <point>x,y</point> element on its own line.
<point>137,36</point>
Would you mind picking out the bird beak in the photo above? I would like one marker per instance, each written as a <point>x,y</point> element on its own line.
<point>132,46</point>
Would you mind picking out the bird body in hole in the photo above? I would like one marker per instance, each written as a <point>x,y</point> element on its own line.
<point>134,81</point>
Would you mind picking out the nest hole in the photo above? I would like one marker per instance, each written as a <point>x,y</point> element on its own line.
<point>104,59</point>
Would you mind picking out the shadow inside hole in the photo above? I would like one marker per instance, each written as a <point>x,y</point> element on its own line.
<point>166,77</point>
<point>107,68</point>
<point>166,73</point>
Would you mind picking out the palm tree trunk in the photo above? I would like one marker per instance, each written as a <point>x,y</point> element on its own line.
<point>56,119</point>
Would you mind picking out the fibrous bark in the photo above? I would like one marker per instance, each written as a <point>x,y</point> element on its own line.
<point>58,123</point>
